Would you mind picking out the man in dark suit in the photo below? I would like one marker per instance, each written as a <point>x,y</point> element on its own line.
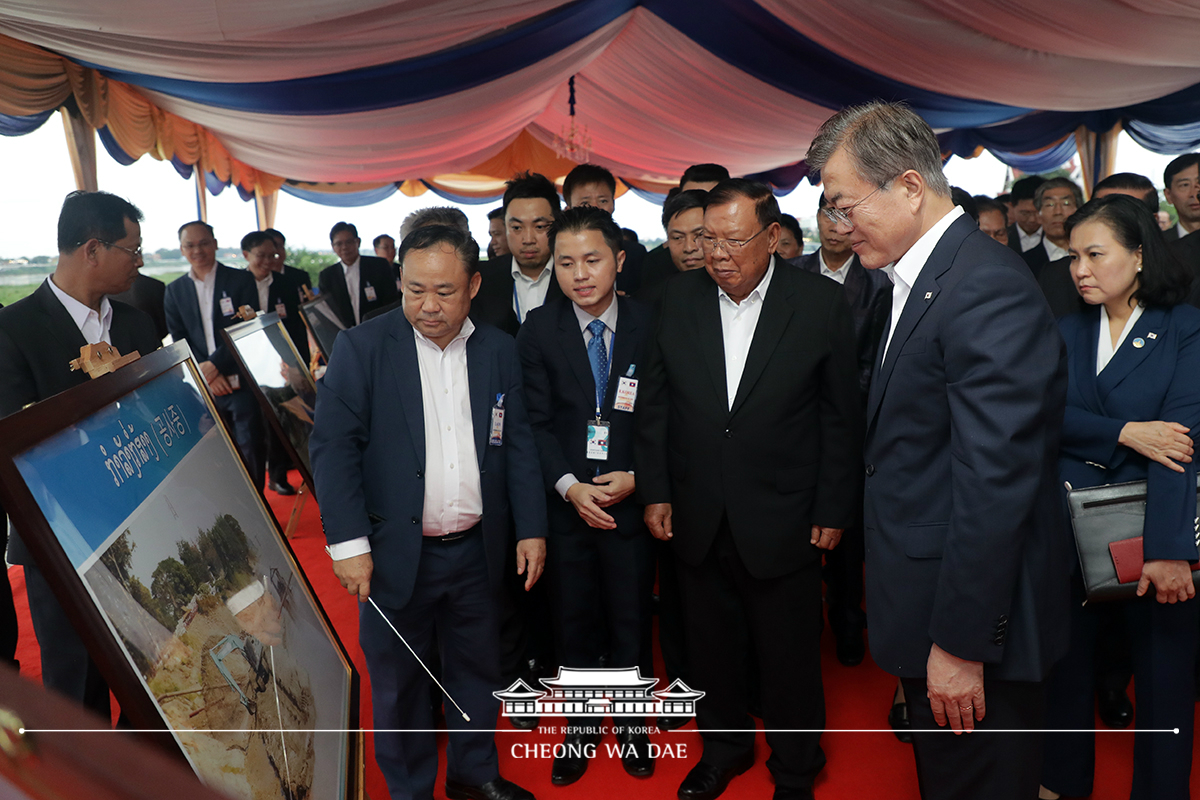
<point>868,293</point>
<point>99,253</point>
<point>420,448</point>
<point>967,564</point>
<point>297,275</point>
<point>1026,232</point>
<point>747,460</point>
<point>198,305</point>
<point>146,295</point>
<point>357,284</point>
<point>1181,181</point>
<point>517,283</point>
<point>580,355</point>
<point>992,218</point>
<point>683,223</point>
<point>1056,200</point>
<point>275,291</point>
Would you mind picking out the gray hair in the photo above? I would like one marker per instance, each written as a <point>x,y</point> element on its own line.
<point>436,215</point>
<point>1060,183</point>
<point>883,141</point>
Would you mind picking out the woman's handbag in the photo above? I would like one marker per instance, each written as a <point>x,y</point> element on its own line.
<point>1108,522</point>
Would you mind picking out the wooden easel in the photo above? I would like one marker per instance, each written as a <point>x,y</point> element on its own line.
<point>101,358</point>
<point>297,507</point>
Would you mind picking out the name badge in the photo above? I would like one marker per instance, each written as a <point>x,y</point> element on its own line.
<point>281,310</point>
<point>370,293</point>
<point>597,440</point>
<point>227,306</point>
<point>626,394</point>
<point>235,381</point>
<point>496,437</point>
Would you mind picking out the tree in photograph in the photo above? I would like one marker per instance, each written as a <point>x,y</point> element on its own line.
<point>119,556</point>
<point>172,586</point>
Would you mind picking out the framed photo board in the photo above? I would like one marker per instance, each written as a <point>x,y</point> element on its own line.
<point>323,323</point>
<point>130,494</point>
<point>273,369</point>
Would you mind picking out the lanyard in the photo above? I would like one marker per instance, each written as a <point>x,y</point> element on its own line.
<point>516,302</point>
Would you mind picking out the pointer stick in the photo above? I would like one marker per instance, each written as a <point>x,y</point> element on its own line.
<point>371,600</point>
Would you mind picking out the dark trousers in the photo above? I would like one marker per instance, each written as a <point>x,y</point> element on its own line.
<point>278,462</point>
<point>671,638</point>
<point>66,666</point>
<point>244,420</point>
<point>1004,766</point>
<point>525,624</point>
<point>9,629</point>
<point>843,574</point>
<point>601,583</point>
<point>453,597</point>
<point>1163,639</point>
<point>728,611</point>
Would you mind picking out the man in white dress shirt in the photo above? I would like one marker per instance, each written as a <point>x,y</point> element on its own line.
<point>421,446</point>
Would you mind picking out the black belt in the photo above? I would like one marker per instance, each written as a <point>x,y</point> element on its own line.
<point>454,537</point>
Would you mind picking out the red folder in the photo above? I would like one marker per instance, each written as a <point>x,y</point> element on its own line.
<point>1127,558</point>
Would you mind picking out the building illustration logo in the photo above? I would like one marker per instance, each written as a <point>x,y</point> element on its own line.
<point>599,693</point>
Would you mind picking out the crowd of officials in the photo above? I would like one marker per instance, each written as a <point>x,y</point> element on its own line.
<point>522,459</point>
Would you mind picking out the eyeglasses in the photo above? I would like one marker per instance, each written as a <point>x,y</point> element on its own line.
<point>1065,203</point>
<point>733,247</point>
<point>136,253</point>
<point>841,216</point>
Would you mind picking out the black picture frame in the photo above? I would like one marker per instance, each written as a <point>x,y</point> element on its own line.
<point>69,429</point>
<point>246,341</point>
<point>323,323</point>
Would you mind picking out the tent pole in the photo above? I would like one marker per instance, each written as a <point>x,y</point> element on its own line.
<point>201,195</point>
<point>81,146</point>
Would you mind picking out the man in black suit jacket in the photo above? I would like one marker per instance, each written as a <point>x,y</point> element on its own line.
<point>373,279</point>
<point>515,284</point>
<point>297,275</point>
<point>579,356</point>
<point>869,295</point>
<point>967,562</point>
<point>415,493</point>
<point>747,459</point>
<point>1181,183</point>
<point>1026,232</point>
<point>224,290</point>
<point>146,295</point>
<point>1056,199</point>
<point>99,245</point>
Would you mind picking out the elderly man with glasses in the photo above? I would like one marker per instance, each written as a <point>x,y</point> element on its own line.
<point>749,463</point>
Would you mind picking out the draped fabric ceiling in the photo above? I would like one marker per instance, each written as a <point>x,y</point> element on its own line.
<point>346,101</point>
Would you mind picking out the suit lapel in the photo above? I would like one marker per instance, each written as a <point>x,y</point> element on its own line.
<point>1083,365</point>
<point>856,280</point>
<point>709,338</point>
<point>480,382</point>
<point>772,322</point>
<point>623,345</point>
<point>570,339</point>
<point>61,327</point>
<point>1129,355</point>
<point>408,382</point>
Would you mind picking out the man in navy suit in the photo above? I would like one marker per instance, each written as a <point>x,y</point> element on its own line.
<point>200,304</point>
<point>420,449</point>
<point>580,355</point>
<point>967,564</point>
<point>356,284</point>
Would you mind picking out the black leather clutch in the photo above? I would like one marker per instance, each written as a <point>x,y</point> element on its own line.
<point>1108,522</point>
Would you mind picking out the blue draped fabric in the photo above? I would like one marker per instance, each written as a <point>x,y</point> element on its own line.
<point>1167,140</point>
<point>458,198</point>
<point>185,170</point>
<point>115,150</point>
<point>213,184</point>
<point>342,199</point>
<point>19,126</point>
<point>401,82</point>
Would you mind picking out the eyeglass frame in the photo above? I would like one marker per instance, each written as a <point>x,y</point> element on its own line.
<point>725,243</point>
<point>841,216</point>
<point>136,253</point>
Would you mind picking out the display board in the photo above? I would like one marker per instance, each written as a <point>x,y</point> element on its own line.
<point>323,323</point>
<point>129,492</point>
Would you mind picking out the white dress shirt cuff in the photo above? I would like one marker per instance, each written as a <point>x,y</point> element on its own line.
<point>564,483</point>
<point>349,549</point>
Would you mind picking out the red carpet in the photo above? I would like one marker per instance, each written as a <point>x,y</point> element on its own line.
<point>861,765</point>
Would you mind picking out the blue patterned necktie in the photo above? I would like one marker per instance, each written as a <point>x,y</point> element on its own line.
<point>598,356</point>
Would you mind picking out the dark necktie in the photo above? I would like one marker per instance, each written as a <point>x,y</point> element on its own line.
<point>598,356</point>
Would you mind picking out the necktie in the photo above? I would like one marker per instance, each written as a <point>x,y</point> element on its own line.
<point>598,356</point>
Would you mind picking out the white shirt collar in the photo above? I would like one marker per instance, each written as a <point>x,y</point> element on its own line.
<point>347,267</point>
<point>265,281</point>
<point>80,313</point>
<point>1054,251</point>
<point>759,292</point>
<point>464,333</point>
<point>909,267</point>
<point>209,279</point>
<point>1181,230</point>
<point>609,317</point>
<point>516,272</point>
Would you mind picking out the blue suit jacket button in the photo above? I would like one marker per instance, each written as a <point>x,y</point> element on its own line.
<point>870,470</point>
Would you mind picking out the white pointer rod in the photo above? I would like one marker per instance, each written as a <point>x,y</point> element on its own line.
<point>371,600</point>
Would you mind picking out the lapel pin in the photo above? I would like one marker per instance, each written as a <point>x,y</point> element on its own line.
<point>928,295</point>
<point>1139,342</point>
<point>1152,335</point>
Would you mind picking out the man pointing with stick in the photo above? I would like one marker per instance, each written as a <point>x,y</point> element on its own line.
<point>420,448</point>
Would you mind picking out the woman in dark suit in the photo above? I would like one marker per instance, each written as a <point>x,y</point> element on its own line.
<point>1133,398</point>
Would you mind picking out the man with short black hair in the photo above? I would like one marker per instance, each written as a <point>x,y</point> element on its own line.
<point>683,223</point>
<point>1181,182</point>
<point>99,254</point>
<point>421,447</point>
<point>1026,232</point>
<point>201,303</point>
<point>357,284</point>
<point>791,238</point>
<point>703,177</point>
<point>497,235</point>
<point>993,218</point>
<point>515,284</point>
<point>593,185</point>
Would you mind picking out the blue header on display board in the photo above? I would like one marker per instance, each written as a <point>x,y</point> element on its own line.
<point>89,478</point>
